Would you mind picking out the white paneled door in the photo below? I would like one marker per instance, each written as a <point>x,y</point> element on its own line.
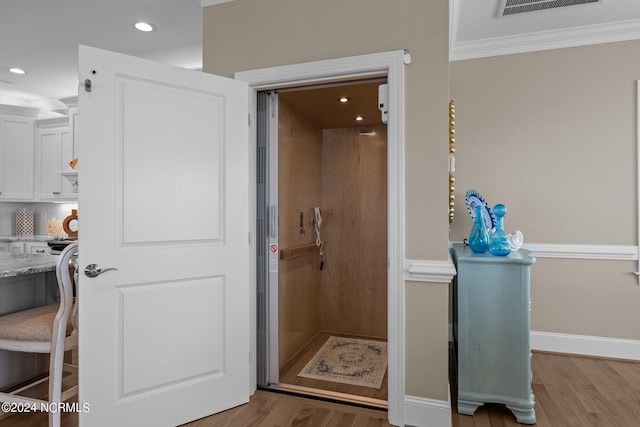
<point>163,199</point>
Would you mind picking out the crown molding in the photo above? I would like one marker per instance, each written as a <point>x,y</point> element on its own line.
<point>205,3</point>
<point>70,102</point>
<point>16,110</point>
<point>53,122</point>
<point>545,40</point>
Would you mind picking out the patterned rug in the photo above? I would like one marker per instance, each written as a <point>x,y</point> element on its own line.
<point>349,361</point>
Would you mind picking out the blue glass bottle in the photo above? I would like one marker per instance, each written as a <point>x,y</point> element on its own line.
<point>499,244</point>
<point>479,237</point>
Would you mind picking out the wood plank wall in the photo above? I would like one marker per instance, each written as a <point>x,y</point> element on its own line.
<point>344,173</point>
<point>299,190</point>
<point>353,297</point>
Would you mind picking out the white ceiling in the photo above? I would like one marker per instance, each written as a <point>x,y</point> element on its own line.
<point>42,36</point>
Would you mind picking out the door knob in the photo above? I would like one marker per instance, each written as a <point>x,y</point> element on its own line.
<point>94,270</point>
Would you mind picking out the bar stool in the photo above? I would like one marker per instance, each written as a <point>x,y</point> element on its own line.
<point>47,329</point>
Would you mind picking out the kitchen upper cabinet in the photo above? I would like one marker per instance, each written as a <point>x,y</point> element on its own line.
<point>72,104</point>
<point>74,124</point>
<point>16,158</point>
<point>53,152</point>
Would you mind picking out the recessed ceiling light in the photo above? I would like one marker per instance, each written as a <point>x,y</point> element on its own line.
<point>359,118</point>
<point>144,26</point>
<point>344,99</point>
<point>16,70</point>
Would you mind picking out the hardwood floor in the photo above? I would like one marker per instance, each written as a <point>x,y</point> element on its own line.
<point>569,391</point>
<point>268,409</point>
<point>572,391</point>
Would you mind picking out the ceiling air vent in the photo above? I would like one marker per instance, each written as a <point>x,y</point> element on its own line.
<point>516,7</point>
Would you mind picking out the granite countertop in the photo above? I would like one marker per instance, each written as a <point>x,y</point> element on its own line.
<point>19,264</point>
<point>42,238</point>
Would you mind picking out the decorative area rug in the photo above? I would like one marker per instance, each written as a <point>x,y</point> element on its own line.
<point>349,361</point>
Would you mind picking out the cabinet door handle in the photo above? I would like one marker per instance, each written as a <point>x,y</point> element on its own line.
<point>40,251</point>
<point>56,193</point>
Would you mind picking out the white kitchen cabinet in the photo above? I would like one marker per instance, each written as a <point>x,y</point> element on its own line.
<point>35,248</point>
<point>53,152</point>
<point>23,247</point>
<point>74,117</point>
<point>16,158</point>
<point>74,124</point>
<point>16,248</point>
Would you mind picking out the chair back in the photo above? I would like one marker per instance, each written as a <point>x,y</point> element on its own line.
<point>66,273</point>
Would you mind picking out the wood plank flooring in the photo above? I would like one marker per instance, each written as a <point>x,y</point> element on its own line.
<point>289,374</point>
<point>268,409</point>
<point>569,390</point>
<point>572,391</point>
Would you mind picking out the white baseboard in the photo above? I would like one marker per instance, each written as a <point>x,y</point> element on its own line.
<point>586,345</point>
<point>617,348</point>
<point>423,412</point>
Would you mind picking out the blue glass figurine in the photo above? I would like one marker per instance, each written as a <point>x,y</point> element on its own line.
<point>499,244</point>
<point>479,237</point>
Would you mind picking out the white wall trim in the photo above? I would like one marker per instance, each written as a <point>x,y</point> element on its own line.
<point>429,271</point>
<point>391,63</point>
<point>585,345</point>
<point>571,251</point>
<point>444,271</point>
<point>422,412</point>
<point>544,40</point>
<point>205,3</point>
<point>50,123</point>
<point>582,251</point>
<point>637,272</point>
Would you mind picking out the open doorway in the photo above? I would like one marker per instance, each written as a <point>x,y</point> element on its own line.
<point>328,283</point>
<point>386,64</point>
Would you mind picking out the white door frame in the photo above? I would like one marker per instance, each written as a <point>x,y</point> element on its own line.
<point>391,64</point>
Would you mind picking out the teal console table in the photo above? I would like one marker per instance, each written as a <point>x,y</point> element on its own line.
<point>491,311</point>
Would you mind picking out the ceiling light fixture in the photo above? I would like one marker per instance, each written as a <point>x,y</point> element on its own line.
<point>16,70</point>
<point>344,99</point>
<point>144,27</point>
<point>359,118</point>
